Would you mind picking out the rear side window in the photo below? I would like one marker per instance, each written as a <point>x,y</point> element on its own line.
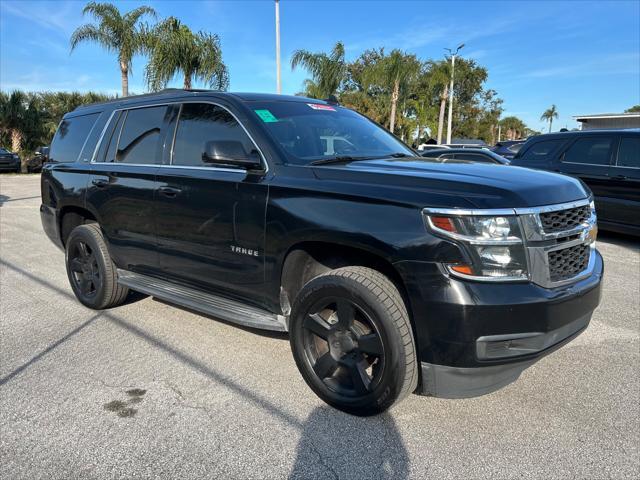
<point>138,141</point>
<point>540,150</point>
<point>590,150</point>
<point>629,152</point>
<point>515,148</point>
<point>200,123</point>
<point>71,136</point>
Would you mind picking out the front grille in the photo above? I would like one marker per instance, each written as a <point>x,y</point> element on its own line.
<point>568,262</point>
<point>561,220</point>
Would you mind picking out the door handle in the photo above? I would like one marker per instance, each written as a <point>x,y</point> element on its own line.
<point>100,182</point>
<point>620,177</point>
<point>170,192</point>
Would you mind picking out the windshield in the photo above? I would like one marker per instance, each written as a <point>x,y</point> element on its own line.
<point>309,132</point>
<point>2,150</point>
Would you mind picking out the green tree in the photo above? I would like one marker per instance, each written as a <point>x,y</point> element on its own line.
<point>18,117</point>
<point>396,73</point>
<point>548,115</point>
<point>175,49</point>
<point>513,128</point>
<point>439,74</point>
<point>117,33</point>
<point>327,71</point>
<point>634,109</point>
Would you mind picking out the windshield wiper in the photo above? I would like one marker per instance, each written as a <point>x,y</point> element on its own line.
<point>340,159</point>
<point>348,158</point>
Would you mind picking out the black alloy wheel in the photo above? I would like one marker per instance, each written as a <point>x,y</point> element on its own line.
<point>352,340</point>
<point>85,272</point>
<point>343,347</point>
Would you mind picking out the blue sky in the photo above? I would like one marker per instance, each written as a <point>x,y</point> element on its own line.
<point>583,56</point>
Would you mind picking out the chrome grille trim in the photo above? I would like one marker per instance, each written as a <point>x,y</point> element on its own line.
<point>539,243</point>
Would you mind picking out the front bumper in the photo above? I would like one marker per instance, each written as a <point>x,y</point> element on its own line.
<point>474,338</point>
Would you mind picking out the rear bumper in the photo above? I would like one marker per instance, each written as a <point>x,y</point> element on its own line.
<point>51,224</point>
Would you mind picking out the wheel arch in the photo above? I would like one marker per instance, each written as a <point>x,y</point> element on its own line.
<point>308,259</point>
<point>70,217</point>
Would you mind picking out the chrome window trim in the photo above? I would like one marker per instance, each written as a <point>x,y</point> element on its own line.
<point>537,244</point>
<point>180,102</point>
<point>588,164</point>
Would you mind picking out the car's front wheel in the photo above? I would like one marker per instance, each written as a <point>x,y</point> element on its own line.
<point>92,274</point>
<point>352,340</point>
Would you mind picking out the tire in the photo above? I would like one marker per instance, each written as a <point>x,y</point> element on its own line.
<point>92,274</point>
<point>352,340</point>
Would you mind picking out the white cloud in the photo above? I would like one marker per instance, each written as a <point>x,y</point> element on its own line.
<point>60,17</point>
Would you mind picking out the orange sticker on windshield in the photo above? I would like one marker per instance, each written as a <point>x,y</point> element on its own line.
<point>319,106</point>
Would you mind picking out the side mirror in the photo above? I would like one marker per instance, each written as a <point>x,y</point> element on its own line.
<point>231,153</point>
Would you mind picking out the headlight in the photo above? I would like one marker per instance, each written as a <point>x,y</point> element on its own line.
<point>493,244</point>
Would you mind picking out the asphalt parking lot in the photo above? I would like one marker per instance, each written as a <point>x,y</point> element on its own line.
<point>148,390</point>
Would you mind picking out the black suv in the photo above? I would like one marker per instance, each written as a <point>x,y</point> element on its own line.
<point>608,161</point>
<point>391,274</point>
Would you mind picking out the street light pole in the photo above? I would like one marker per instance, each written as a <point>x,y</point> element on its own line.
<point>278,80</point>
<point>453,65</point>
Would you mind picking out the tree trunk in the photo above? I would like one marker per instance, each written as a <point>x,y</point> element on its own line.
<point>124,72</point>
<point>187,81</point>
<point>550,123</point>
<point>443,105</point>
<point>394,101</point>
<point>16,140</point>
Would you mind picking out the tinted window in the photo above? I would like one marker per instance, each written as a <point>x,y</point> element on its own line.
<point>515,148</point>
<point>70,137</point>
<point>110,155</point>
<point>629,152</point>
<point>540,150</point>
<point>200,123</point>
<point>2,151</point>
<point>139,140</point>
<point>591,150</point>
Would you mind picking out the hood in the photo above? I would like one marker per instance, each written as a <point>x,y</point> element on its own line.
<point>469,185</point>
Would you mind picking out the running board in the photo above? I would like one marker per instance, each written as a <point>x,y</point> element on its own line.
<point>223,308</point>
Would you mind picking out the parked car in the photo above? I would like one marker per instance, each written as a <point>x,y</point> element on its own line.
<point>508,148</point>
<point>466,143</point>
<point>9,162</point>
<point>40,157</point>
<point>391,274</point>
<point>458,155</point>
<point>608,161</point>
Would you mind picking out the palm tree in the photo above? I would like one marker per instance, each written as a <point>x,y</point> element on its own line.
<point>115,32</point>
<point>174,48</point>
<point>18,116</point>
<point>327,71</point>
<point>396,72</point>
<point>549,115</point>
<point>439,77</point>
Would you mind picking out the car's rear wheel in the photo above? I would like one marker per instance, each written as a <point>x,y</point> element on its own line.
<point>92,274</point>
<point>352,340</point>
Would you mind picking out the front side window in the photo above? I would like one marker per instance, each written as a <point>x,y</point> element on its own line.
<point>201,123</point>
<point>311,131</point>
<point>71,136</point>
<point>591,150</point>
<point>472,157</point>
<point>629,152</point>
<point>136,138</point>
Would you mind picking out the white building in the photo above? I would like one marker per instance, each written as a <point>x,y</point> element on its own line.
<point>608,121</point>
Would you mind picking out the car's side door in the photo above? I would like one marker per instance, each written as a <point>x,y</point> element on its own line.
<point>623,189</point>
<point>210,218</point>
<point>123,184</point>
<point>589,158</point>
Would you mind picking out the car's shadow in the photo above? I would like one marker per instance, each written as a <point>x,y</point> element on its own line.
<point>336,445</point>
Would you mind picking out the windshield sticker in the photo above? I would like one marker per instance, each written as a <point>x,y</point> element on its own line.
<point>266,116</point>
<point>318,106</point>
